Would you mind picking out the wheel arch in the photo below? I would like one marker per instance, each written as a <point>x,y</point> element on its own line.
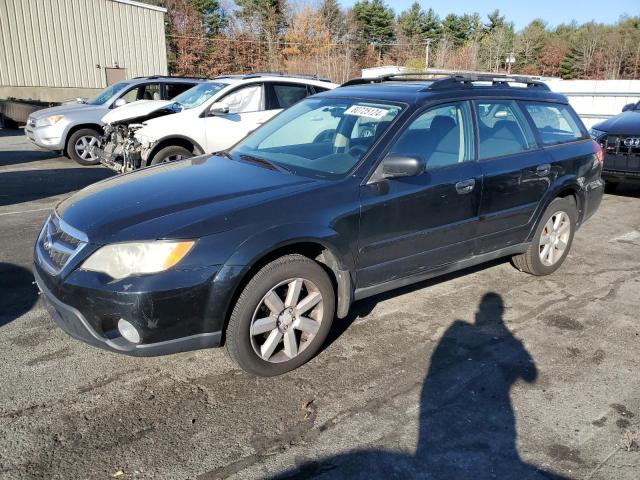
<point>316,248</point>
<point>567,188</point>
<point>177,140</point>
<point>93,126</point>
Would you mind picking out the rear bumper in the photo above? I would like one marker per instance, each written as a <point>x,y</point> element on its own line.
<point>178,336</point>
<point>593,193</point>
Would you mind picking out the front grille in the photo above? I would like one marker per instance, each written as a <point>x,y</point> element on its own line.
<point>57,244</point>
<point>621,152</point>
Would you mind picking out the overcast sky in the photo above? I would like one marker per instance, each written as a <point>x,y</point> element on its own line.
<point>521,12</point>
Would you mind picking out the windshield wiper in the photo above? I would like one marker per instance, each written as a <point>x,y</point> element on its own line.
<point>264,162</point>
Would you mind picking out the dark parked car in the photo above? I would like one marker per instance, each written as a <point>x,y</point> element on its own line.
<point>347,194</point>
<point>619,138</point>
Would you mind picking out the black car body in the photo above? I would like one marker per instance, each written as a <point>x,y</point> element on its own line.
<point>619,138</point>
<point>370,229</point>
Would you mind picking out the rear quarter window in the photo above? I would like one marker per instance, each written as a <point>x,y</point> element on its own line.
<point>555,123</point>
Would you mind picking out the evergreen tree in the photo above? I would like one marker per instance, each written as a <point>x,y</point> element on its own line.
<point>375,21</point>
<point>418,25</point>
<point>213,15</point>
<point>411,22</point>
<point>570,65</point>
<point>457,28</point>
<point>267,12</point>
<point>495,21</point>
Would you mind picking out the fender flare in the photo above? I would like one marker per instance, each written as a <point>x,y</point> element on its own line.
<point>561,186</point>
<point>198,150</point>
<point>336,255</point>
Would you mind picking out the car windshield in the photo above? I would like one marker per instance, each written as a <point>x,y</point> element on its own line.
<point>199,94</point>
<point>108,92</point>
<point>321,137</point>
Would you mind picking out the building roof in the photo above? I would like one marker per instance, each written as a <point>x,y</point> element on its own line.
<point>141,5</point>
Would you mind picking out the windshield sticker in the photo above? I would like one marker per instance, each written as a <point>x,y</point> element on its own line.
<point>363,111</point>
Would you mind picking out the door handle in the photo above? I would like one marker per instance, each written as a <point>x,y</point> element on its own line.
<point>465,186</point>
<point>543,170</point>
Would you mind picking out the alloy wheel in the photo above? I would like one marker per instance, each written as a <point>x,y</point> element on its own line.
<point>286,320</point>
<point>554,238</point>
<point>83,147</point>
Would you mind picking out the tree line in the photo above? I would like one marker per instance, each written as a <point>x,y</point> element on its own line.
<point>206,39</point>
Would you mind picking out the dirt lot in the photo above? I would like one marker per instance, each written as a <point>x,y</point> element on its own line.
<point>489,373</point>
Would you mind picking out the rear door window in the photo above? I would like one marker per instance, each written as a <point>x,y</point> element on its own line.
<point>502,129</point>
<point>283,95</point>
<point>245,100</point>
<point>175,89</point>
<point>148,91</point>
<point>555,123</point>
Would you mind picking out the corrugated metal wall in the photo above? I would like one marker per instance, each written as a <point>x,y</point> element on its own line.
<point>58,43</point>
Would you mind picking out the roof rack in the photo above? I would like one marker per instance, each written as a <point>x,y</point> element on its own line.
<point>244,76</point>
<point>189,77</point>
<point>441,81</point>
<point>496,80</point>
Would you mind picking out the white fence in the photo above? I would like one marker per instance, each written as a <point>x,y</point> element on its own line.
<point>597,100</point>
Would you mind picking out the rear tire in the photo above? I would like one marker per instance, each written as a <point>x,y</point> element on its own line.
<point>552,240</point>
<point>78,146</point>
<point>172,153</point>
<point>282,317</point>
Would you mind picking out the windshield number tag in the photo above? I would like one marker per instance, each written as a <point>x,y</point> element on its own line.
<point>363,111</point>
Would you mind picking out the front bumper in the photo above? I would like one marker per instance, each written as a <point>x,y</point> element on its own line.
<point>49,138</point>
<point>170,320</point>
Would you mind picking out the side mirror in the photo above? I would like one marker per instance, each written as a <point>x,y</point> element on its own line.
<point>394,166</point>
<point>119,102</point>
<point>628,106</point>
<point>81,100</point>
<point>218,108</point>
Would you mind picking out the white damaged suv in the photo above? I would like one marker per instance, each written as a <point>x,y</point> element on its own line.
<point>210,117</point>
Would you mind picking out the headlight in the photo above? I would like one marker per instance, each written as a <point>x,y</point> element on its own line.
<point>121,260</point>
<point>46,121</point>
<point>595,134</point>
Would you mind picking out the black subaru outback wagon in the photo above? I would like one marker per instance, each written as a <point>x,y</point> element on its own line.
<point>369,187</point>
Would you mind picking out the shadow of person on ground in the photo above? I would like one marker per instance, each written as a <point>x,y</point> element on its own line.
<point>467,426</point>
<point>17,292</point>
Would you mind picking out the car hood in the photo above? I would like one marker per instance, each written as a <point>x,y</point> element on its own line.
<point>67,110</point>
<point>186,199</point>
<point>626,123</point>
<point>135,111</point>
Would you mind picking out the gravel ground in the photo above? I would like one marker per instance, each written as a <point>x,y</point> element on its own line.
<point>487,373</point>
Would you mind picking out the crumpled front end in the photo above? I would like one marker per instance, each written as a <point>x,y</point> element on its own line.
<point>121,151</point>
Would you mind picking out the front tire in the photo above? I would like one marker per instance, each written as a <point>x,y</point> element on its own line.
<point>79,146</point>
<point>171,153</point>
<point>552,240</point>
<point>282,317</point>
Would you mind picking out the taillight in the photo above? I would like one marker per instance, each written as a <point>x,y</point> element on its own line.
<point>598,153</point>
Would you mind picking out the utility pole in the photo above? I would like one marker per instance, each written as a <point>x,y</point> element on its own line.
<point>510,60</point>
<point>426,54</point>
